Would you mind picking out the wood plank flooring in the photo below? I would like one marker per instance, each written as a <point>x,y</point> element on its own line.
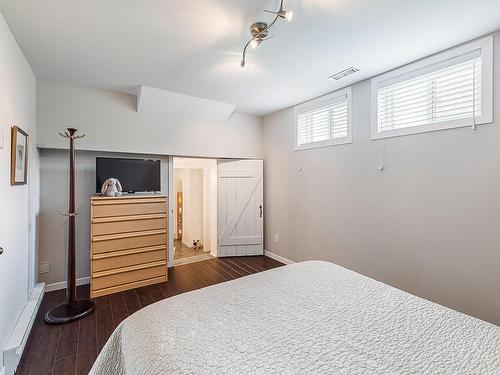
<point>72,348</point>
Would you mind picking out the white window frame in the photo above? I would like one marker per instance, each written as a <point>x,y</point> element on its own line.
<point>317,103</point>
<point>439,61</point>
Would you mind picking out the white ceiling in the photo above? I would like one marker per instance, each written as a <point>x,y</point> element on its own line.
<point>193,46</point>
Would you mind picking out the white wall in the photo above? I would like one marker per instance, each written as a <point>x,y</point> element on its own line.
<point>428,224</point>
<point>18,204</point>
<point>112,123</point>
<point>54,167</point>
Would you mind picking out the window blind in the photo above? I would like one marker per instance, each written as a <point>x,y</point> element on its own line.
<point>447,94</point>
<point>322,123</point>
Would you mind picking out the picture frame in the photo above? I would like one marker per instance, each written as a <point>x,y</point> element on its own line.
<point>19,157</point>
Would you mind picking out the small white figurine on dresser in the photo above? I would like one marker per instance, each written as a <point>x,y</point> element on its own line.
<point>111,188</point>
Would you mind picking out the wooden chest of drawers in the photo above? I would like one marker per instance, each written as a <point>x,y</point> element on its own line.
<point>128,243</point>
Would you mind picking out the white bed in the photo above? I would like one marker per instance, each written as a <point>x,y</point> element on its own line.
<point>311,317</point>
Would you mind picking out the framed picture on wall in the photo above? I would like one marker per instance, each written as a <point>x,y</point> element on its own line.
<point>19,157</point>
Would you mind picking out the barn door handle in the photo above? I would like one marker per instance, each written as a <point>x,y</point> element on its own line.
<point>260,210</point>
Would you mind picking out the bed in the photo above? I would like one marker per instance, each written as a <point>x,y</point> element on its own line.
<point>312,317</point>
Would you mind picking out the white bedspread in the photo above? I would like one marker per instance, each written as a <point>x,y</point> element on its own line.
<point>305,318</point>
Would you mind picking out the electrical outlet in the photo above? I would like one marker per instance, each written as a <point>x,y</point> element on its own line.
<point>43,267</point>
<point>276,237</point>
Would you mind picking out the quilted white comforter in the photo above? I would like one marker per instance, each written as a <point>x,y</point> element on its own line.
<point>311,317</point>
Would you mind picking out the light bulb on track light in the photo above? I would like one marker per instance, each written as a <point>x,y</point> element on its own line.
<point>254,43</point>
<point>287,15</point>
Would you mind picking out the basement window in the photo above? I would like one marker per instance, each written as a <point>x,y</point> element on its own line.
<point>325,121</point>
<point>449,90</point>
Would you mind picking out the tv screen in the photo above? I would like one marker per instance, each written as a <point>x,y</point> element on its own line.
<point>135,175</point>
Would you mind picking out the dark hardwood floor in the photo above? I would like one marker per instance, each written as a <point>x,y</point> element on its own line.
<point>72,348</point>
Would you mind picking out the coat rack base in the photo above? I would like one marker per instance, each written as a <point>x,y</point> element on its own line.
<point>67,312</point>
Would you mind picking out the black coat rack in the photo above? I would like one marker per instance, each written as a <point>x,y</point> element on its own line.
<point>72,308</point>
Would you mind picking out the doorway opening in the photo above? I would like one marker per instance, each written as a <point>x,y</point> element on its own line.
<point>194,210</point>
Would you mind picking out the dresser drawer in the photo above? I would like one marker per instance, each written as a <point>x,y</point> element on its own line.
<point>127,209</point>
<point>125,258</point>
<point>124,224</point>
<point>103,244</point>
<point>112,278</point>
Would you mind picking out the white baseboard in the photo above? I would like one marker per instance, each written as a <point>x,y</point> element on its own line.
<point>62,284</point>
<point>277,257</point>
<point>19,336</point>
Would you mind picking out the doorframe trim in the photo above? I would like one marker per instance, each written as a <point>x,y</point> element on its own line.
<point>171,204</point>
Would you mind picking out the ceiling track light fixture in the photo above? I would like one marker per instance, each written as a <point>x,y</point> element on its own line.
<point>260,30</point>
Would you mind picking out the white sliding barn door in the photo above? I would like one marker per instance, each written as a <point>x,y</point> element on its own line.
<point>240,208</point>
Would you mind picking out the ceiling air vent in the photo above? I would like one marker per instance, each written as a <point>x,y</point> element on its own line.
<point>343,73</point>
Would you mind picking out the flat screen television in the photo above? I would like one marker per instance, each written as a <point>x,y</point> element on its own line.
<point>135,175</point>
